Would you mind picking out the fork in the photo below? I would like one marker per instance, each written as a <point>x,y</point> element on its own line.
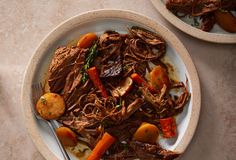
<point>37,92</point>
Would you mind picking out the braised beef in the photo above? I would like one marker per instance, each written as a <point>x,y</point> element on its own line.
<point>201,7</point>
<point>133,107</point>
<point>146,44</point>
<point>128,104</point>
<point>228,5</point>
<point>110,46</point>
<point>111,70</point>
<point>192,7</point>
<point>125,154</point>
<point>180,6</point>
<point>163,103</point>
<point>61,65</point>
<point>110,54</point>
<point>77,92</point>
<point>73,79</point>
<point>208,21</point>
<point>152,151</point>
<point>143,151</point>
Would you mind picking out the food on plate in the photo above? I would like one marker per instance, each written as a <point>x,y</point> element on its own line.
<point>142,82</point>
<point>118,94</point>
<point>50,106</point>
<point>123,88</point>
<point>102,146</point>
<point>66,136</point>
<point>147,133</point>
<point>159,78</point>
<point>87,40</point>
<point>209,12</point>
<point>168,127</point>
<point>226,20</point>
<point>94,76</point>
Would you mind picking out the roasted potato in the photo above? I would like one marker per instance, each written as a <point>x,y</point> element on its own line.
<point>147,133</point>
<point>226,20</point>
<point>66,136</point>
<point>50,106</point>
<point>159,77</point>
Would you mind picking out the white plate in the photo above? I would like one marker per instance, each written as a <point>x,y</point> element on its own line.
<point>217,34</point>
<point>99,21</point>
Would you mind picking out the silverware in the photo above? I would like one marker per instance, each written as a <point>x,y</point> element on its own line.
<point>37,92</point>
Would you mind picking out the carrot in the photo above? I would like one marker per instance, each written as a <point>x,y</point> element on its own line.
<point>168,126</point>
<point>93,75</point>
<point>141,82</point>
<point>87,40</point>
<point>101,147</point>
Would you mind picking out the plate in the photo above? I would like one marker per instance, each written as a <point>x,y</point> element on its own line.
<point>99,21</point>
<point>217,34</point>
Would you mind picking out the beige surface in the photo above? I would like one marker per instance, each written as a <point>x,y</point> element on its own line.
<point>25,23</point>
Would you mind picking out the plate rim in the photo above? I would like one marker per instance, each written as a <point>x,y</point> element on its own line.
<point>190,30</point>
<point>29,120</point>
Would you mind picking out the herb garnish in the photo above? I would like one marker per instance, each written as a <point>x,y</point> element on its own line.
<point>195,22</point>
<point>89,59</point>
<point>119,104</point>
<point>43,100</point>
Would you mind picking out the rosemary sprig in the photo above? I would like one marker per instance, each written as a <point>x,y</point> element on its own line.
<point>88,61</point>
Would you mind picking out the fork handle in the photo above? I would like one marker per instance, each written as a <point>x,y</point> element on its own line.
<point>53,127</point>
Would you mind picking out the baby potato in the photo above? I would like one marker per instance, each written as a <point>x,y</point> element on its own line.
<point>147,133</point>
<point>159,77</point>
<point>50,106</point>
<point>66,136</point>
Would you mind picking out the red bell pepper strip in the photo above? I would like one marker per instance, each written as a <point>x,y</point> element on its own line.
<point>168,126</point>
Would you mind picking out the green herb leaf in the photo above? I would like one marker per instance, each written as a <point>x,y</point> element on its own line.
<point>43,100</point>
<point>89,59</point>
<point>195,22</point>
<point>119,104</point>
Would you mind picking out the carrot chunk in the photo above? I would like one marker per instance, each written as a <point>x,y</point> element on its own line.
<point>87,40</point>
<point>141,82</point>
<point>93,75</point>
<point>101,147</point>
